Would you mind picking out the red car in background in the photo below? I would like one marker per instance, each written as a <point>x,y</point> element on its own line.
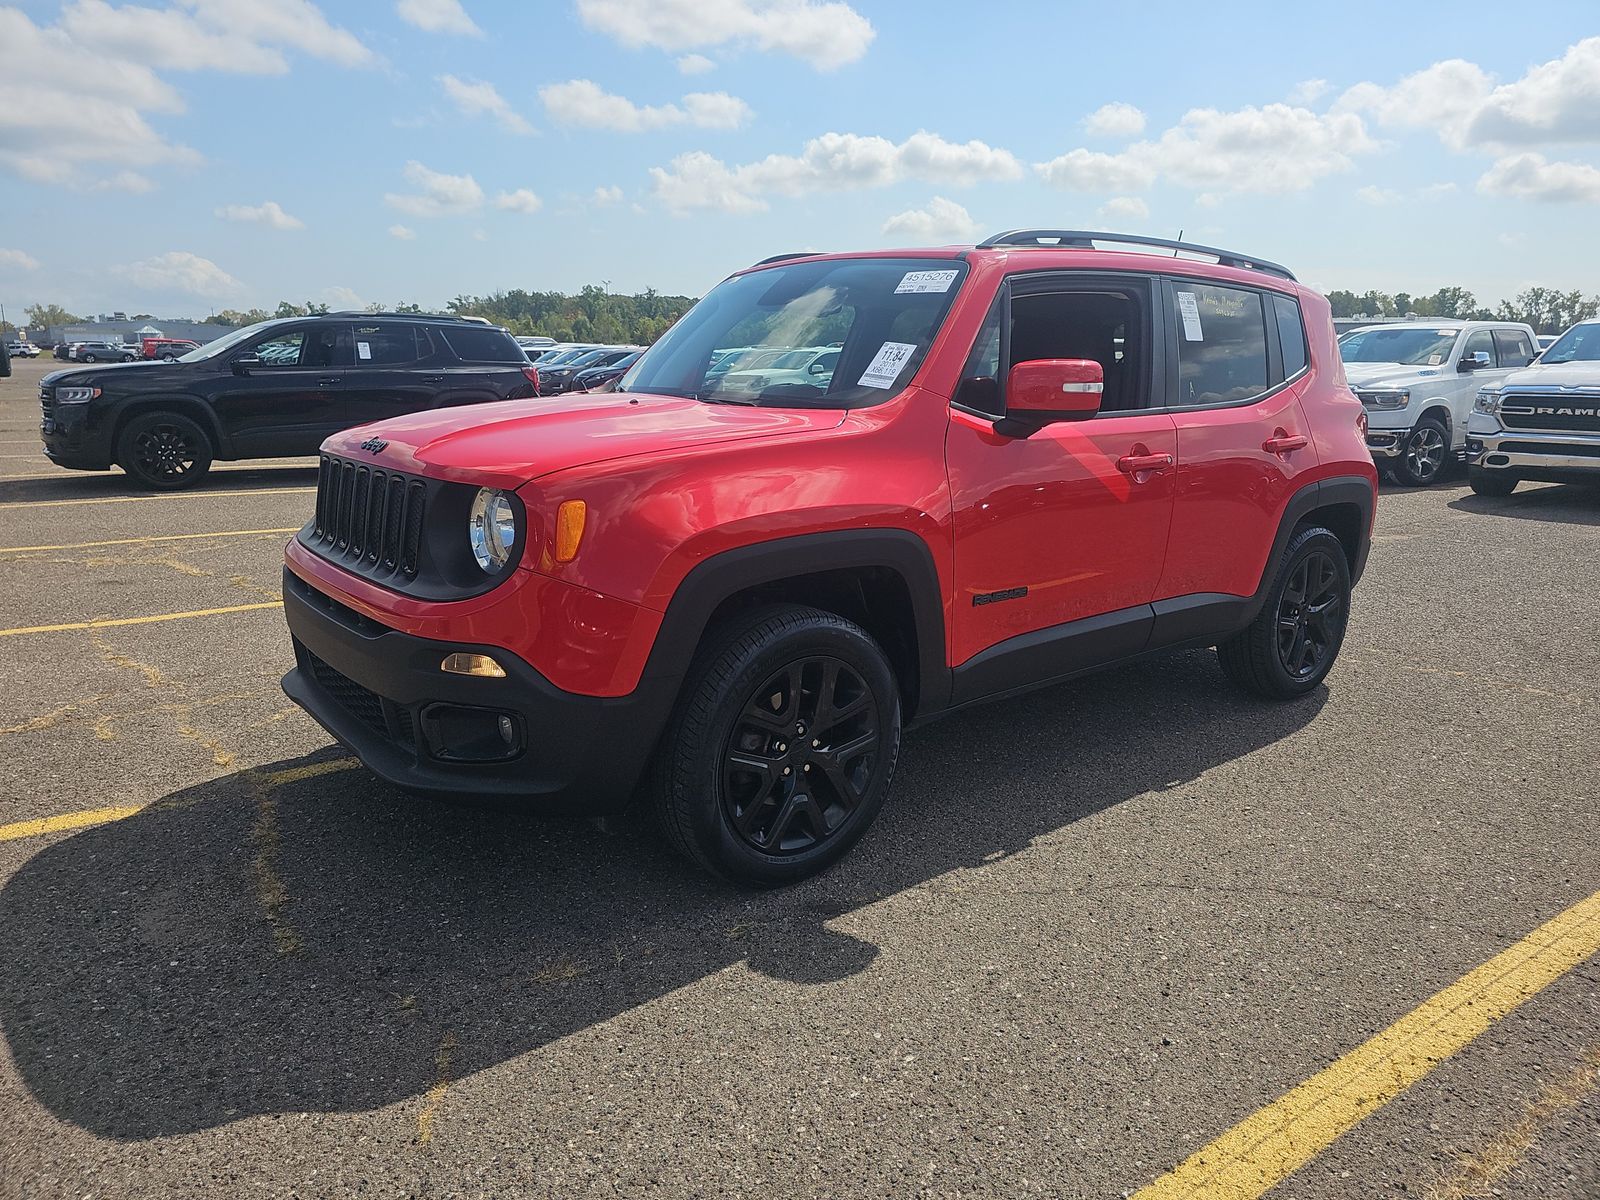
<point>168,348</point>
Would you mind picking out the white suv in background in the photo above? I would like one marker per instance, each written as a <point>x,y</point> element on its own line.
<point>1542,423</point>
<point>1417,381</point>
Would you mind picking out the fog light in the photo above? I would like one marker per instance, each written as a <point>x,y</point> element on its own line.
<point>480,665</point>
<point>458,733</point>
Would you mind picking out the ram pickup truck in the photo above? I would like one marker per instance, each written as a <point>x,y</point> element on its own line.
<point>1039,456</point>
<point>1541,423</point>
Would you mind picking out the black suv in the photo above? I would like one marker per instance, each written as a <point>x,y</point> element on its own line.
<point>273,390</point>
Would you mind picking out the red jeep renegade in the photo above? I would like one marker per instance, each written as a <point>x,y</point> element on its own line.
<point>844,493</point>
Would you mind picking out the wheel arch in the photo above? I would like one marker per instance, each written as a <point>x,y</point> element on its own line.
<point>187,406</point>
<point>882,579</point>
<point>1439,407</point>
<point>1344,504</point>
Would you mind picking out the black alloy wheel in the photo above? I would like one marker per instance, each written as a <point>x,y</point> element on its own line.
<point>1311,616</point>
<point>801,756</point>
<point>164,451</point>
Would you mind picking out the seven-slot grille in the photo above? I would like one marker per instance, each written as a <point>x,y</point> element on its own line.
<point>369,517</point>
<point>1559,413</point>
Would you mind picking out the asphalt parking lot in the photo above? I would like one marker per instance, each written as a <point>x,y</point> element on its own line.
<point>1094,930</point>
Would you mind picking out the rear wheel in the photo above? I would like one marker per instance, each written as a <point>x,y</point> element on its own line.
<point>164,451</point>
<point>86,358</point>
<point>1424,453</point>
<point>782,747</point>
<point>1491,483</point>
<point>1291,645</point>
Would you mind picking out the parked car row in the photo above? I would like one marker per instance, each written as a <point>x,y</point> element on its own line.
<point>562,366</point>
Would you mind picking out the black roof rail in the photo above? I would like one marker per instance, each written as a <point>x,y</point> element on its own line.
<point>405,316</point>
<point>1084,239</point>
<point>783,257</point>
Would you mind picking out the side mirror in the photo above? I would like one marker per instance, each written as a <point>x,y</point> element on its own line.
<point>1475,361</point>
<point>1054,389</point>
<point>242,364</point>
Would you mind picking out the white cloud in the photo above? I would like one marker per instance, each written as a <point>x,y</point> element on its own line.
<point>940,221</point>
<point>1533,177</point>
<point>1276,148</point>
<point>475,98</point>
<point>180,271</point>
<point>343,299</point>
<point>1125,208</point>
<point>826,35</point>
<point>437,195</point>
<point>1442,98</point>
<point>584,103</point>
<point>832,162</point>
<point>268,213</point>
<point>402,233</point>
<point>83,90</point>
<point>18,260</point>
<point>520,201</point>
<point>1372,194</point>
<point>1434,190</point>
<point>1555,102</point>
<point>124,181</point>
<point>1115,120</point>
<point>695,64</point>
<point>438,16</point>
<point>606,196</point>
<point>1309,91</point>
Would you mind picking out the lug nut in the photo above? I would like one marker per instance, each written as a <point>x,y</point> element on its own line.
<point>808,766</point>
<point>782,747</point>
<point>815,743</point>
<point>786,770</point>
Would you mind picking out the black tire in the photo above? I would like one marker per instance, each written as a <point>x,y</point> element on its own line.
<point>127,358</point>
<point>765,776</point>
<point>1291,645</point>
<point>164,451</point>
<point>1491,483</point>
<point>1424,455</point>
<point>86,358</point>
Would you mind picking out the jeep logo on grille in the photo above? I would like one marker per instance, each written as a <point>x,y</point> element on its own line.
<point>374,444</point>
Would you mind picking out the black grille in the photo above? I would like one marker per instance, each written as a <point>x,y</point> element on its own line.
<point>1559,413</point>
<point>1566,450</point>
<point>47,399</point>
<point>366,706</point>
<point>369,517</point>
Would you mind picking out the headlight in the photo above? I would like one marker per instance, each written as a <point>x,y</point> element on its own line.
<point>492,529</point>
<point>76,395</point>
<point>1388,398</point>
<point>1488,400</point>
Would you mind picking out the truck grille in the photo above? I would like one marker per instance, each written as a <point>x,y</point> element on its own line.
<point>369,518</point>
<point>1558,413</point>
<point>47,399</point>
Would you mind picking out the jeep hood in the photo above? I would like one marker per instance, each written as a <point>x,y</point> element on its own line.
<point>1584,375</point>
<point>1370,374</point>
<point>510,443</point>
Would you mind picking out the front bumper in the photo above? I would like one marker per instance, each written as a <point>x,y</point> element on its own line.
<point>72,436</point>
<point>382,694</point>
<point>1534,455</point>
<point>1387,444</point>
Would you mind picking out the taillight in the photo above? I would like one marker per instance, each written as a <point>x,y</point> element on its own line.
<point>532,376</point>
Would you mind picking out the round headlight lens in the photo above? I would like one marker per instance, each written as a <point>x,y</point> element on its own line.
<point>492,529</point>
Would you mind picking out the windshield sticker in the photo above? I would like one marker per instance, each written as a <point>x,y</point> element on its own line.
<point>887,364</point>
<point>926,281</point>
<point>1189,310</point>
<point>1435,359</point>
<point>363,349</point>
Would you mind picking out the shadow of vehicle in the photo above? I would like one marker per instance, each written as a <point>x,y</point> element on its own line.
<point>83,485</point>
<point>1566,503</point>
<point>244,948</point>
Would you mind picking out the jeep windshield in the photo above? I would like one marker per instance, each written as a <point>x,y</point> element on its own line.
<point>760,338</point>
<point>1410,346</point>
<point>1581,343</point>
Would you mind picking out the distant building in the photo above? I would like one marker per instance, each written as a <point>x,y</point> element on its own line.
<point>128,331</point>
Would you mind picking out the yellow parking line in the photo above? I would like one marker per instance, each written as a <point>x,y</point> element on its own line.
<point>162,496</point>
<point>72,820</point>
<point>1267,1147</point>
<point>166,537</point>
<point>109,622</point>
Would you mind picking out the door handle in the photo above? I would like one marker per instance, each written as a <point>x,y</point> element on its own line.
<point>1282,442</point>
<point>329,382</point>
<point>433,379</point>
<point>1140,464</point>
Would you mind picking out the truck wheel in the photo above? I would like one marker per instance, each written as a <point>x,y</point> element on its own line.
<point>781,748</point>
<point>1491,483</point>
<point>1425,453</point>
<point>1291,645</point>
<point>164,451</point>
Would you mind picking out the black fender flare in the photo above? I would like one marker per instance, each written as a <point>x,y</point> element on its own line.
<point>723,575</point>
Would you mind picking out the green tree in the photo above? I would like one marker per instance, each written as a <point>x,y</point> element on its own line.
<point>40,315</point>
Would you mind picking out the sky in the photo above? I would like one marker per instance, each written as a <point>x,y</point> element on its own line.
<point>184,156</point>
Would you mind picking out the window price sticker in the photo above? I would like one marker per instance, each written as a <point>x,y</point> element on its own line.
<point>1189,310</point>
<point>925,281</point>
<point>887,364</point>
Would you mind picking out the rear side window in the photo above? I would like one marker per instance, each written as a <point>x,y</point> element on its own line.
<point>1514,347</point>
<point>481,345</point>
<point>1222,343</point>
<point>1291,334</point>
<point>391,345</point>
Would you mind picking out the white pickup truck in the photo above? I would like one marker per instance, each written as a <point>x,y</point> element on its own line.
<point>1418,380</point>
<point>1542,423</point>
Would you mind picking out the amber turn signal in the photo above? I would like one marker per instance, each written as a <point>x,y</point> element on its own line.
<point>570,518</point>
<point>480,665</point>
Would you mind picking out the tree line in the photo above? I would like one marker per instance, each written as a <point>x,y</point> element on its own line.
<point>1546,309</point>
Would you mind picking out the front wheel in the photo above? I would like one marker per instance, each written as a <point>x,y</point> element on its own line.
<point>782,746</point>
<point>1491,483</point>
<point>164,451</point>
<point>1291,645</point>
<point>87,358</point>
<point>1423,454</point>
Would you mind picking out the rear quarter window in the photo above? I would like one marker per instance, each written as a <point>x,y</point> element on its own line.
<point>479,345</point>
<point>1291,334</point>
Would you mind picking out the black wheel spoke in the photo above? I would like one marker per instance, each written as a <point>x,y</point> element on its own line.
<point>1310,615</point>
